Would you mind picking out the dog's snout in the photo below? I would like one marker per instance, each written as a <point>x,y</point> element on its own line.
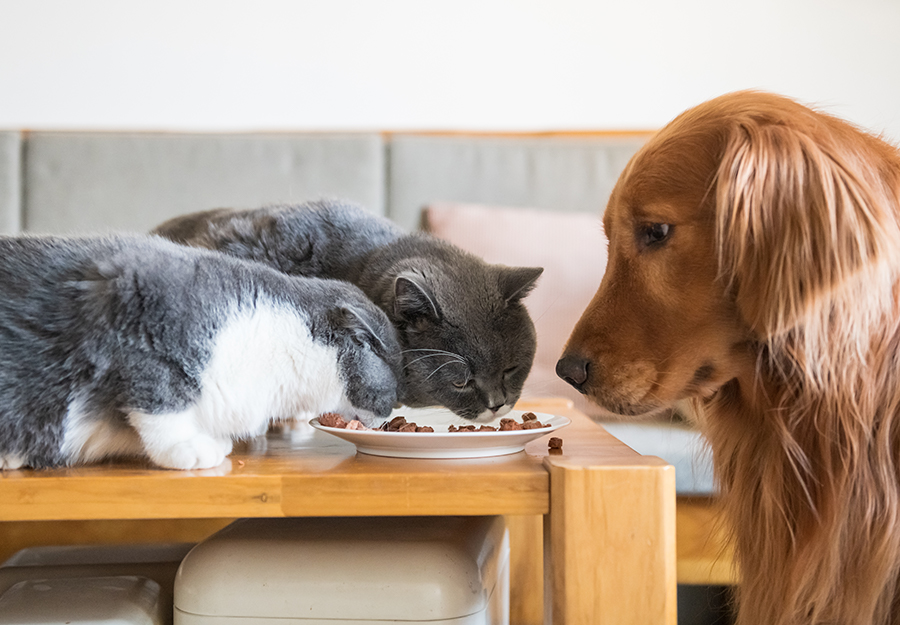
<point>573,369</point>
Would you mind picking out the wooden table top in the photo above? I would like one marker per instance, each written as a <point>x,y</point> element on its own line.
<point>296,471</point>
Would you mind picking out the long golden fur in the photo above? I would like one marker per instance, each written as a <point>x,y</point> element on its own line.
<point>754,268</point>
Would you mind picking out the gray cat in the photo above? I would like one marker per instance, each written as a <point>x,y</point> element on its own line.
<point>132,345</point>
<point>468,341</point>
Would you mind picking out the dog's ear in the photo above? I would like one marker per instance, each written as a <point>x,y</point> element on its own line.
<point>801,220</point>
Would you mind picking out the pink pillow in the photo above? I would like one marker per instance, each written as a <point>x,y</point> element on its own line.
<point>569,246</point>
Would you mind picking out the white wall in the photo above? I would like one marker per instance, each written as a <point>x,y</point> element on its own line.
<point>428,64</point>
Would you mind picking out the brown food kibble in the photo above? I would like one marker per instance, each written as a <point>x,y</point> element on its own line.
<point>397,423</point>
<point>332,420</point>
<point>400,424</point>
<point>554,443</point>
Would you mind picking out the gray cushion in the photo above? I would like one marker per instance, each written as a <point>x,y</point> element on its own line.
<point>85,181</point>
<point>680,445</point>
<point>10,182</point>
<point>565,174</point>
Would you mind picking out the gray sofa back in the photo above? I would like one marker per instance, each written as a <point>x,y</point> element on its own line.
<point>77,182</point>
<point>10,182</point>
<point>127,181</point>
<point>570,174</point>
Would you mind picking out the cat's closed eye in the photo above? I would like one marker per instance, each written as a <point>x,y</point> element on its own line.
<point>463,384</point>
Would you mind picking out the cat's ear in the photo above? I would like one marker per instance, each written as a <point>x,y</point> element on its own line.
<point>413,298</point>
<point>517,282</point>
<point>358,324</point>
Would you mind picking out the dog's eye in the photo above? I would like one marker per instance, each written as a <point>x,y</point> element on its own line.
<point>652,234</point>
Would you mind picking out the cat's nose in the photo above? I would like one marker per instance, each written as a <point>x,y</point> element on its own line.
<point>494,399</point>
<point>574,370</point>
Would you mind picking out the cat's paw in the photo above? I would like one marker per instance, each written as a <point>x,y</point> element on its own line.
<point>226,445</point>
<point>198,452</point>
<point>174,441</point>
<point>11,462</point>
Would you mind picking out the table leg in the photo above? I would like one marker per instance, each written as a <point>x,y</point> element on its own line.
<point>609,542</point>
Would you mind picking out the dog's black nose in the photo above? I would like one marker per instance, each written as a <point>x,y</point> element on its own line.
<point>573,369</point>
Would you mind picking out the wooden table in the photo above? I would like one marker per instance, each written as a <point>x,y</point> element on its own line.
<point>608,513</point>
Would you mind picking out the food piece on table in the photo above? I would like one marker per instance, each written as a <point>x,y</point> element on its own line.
<point>554,443</point>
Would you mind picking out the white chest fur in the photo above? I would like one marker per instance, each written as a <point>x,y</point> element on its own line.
<point>265,365</point>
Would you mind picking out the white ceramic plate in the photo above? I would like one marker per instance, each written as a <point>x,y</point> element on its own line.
<point>441,443</point>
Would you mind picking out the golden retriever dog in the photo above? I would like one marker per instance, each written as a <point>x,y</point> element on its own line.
<point>754,269</point>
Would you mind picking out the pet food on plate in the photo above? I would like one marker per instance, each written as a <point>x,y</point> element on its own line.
<point>472,428</point>
<point>507,425</point>
<point>452,437</point>
<point>332,420</point>
<point>529,422</point>
<point>400,424</point>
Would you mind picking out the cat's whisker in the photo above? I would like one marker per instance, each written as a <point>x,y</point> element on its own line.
<point>436,351</point>
<point>439,368</point>
<point>411,362</point>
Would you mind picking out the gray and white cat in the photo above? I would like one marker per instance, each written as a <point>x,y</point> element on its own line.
<point>133,345</point>
<point>468,341</point>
